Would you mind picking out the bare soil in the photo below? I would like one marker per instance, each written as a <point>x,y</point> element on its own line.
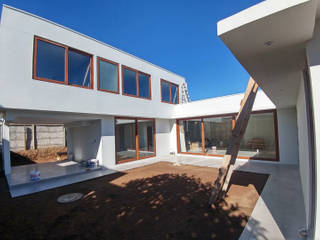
<point>158,201</point>
<point>41,155</point>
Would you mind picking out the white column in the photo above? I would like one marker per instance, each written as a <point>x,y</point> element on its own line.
<point>106,152</point>
<point>313,50</point>
<point>6,149</point>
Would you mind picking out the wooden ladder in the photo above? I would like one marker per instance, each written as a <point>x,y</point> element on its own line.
<point>221,184</point>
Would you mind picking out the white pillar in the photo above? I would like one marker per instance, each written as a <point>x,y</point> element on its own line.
<point>106,152</point>
<point>313,50</point>
<point>6,149</point>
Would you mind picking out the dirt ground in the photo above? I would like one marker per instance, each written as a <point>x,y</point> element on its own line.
<point>158,201</point>
<point>41,155</point>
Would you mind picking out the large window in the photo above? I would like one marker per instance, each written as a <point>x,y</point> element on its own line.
<point>136,83</point>
<point>211,136</point>
<point>108,76</point>
<point>169,92</point>
<point>135,139</point>
<point>146,138</point>
<point>217,133</point>
<point>50,61</point>
<point>58,63</point>
<point>126,139</point>
<point>190,136</point>
<point>259,138</point>
<point>79,68</point>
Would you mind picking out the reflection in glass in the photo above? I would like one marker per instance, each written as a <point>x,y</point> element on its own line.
<point>50,61</point>
<point>165,91</point>
<point>108,76</point>
<point>129,82</point>
<point>144,86</point>
<point>79,68</point>
<point>126,139</point>
<point>146,138</point>
<point>217,133</point>
<point>259,138</point>
<point>174,94</point>
<point>190,136</point>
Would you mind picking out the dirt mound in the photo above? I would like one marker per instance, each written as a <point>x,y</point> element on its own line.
<point>41,155</point>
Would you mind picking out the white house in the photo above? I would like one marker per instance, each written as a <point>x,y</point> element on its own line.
<point>118,108</point>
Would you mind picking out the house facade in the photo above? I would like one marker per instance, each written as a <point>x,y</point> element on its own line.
<point>118,108</point>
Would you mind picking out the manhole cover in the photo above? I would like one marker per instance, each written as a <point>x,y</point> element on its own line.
<point>70,197</point>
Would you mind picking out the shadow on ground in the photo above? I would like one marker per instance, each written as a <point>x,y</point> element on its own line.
<point>164,206</point>
<point>18,160</point>
<point>35,156</point>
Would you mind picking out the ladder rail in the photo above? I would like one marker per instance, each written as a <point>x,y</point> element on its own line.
<point>225,171</point>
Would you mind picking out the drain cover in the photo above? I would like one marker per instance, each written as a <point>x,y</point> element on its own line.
<point>70,197</point>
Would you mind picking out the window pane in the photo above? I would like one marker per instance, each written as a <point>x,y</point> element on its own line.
<point>146,138</point>
<point>165,91</point>
<point>174,94</point>
<point>217,134</point>
<point>129,82</point>
<point>108,76</point>
<point>126,139</point>
<point>50,61</point>
<point>79,69</point>
<point>190,136</point>
<point>144,86</point>
<point>259,138</point>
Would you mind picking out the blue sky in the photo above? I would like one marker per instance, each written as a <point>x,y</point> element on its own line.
<point>180,36</point>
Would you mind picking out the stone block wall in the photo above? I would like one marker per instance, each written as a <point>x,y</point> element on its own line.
<point>24,137</point>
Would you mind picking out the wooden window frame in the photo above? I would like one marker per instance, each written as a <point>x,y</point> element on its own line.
<point>137,139</point>
<point>98,75</point>
<point>66,59</point>
<point>170,86</point>
<point>137,82</point>
<point>233,115</point>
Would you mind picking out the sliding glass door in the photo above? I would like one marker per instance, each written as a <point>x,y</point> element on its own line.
<point>190,136</point>
<point>126,139</point>
<point>217,133</point>
<point>146,138</point>
<point>259,138</point>
<point>135,139</point>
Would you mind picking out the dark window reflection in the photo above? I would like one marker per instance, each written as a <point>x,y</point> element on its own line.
<point>79,68</point>
<point>108,76</point>
<point>165,91</point>
<point>129,82</point>
<point>50,61</point>
<point>174,94</point>
<point>144,86</point>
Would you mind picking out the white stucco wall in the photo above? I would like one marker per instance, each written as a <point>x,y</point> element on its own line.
<point>107,151</point>
<point>303,141</point>
<point>173,137</point>
<point>313,54</point>
<point>17,33</point>
<point>288,135</point>
<point>84,141</point>
<point>163,136</point>
<point>220,105</point>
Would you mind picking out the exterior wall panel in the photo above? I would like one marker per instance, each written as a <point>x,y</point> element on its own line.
<point>16,44</point>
